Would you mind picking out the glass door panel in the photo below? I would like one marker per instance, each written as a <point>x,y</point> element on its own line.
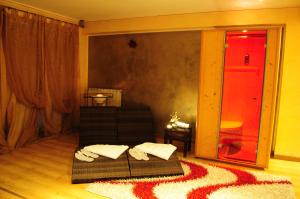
<point>242,95</point>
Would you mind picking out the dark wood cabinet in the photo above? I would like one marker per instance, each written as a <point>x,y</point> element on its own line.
<point>115,125</point>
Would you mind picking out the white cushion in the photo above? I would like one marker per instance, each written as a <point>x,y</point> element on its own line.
<point>163,151</point>
<point>110,151</point>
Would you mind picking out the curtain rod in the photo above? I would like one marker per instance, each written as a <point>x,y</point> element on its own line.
<point>2,7</point>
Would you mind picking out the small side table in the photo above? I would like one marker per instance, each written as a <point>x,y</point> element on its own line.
<point>179,134</point>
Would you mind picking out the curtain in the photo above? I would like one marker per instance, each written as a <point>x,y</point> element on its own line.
<point>23,40</point>
<point>52,120</point>
<point>23,49</point>
<point>4,93</point>
<point>61,55</point>
<point>22,123</point>
<point>39,76</point>
<point>61,66</point>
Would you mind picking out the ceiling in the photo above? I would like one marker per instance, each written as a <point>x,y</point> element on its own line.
<point>92,10</point>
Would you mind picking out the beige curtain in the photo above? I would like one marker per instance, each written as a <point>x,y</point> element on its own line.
<point>52,119</point>
<point>38,75</point>
<point>22,123</point>
<point>23,40</point>
<point>61,66</point>
<point>23,44</point>
<point>4,93</point>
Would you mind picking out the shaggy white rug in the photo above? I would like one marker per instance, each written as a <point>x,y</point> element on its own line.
<point>200,181</point>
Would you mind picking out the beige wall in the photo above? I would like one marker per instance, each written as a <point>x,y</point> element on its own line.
<point>160,72</point>
<point>288,132</point>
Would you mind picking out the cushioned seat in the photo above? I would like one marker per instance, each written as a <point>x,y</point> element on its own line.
<point>115,125</point>
<point>125,166</point>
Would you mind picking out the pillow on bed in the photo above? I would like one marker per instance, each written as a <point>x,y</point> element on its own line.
<point>110,151</point>
<point>163,151</point>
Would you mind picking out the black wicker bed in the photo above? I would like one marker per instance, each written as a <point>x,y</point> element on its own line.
<point>124,125</point>
<point>125,166</point>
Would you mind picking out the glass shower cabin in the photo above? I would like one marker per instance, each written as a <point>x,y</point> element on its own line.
<point>242,95</point>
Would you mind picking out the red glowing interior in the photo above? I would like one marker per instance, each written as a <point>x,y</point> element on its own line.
<point>242,94</point>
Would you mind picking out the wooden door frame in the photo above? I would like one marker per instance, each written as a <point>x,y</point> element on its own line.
<point>269,102</point>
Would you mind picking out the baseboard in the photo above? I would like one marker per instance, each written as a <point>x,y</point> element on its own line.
<point>284,165</point>
<point>288,158</point>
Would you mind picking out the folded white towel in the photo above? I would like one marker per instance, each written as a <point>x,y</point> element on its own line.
<point>110,151</point>
<point>182,124</point>
<point>163,151</point>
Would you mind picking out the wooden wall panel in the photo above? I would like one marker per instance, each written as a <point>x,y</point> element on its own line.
<point>209,94</point>
<point>268,108</point>
<point>83,65</point>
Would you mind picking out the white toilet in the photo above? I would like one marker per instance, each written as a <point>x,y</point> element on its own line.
<point>231,127</point>
<point>230,135</point>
